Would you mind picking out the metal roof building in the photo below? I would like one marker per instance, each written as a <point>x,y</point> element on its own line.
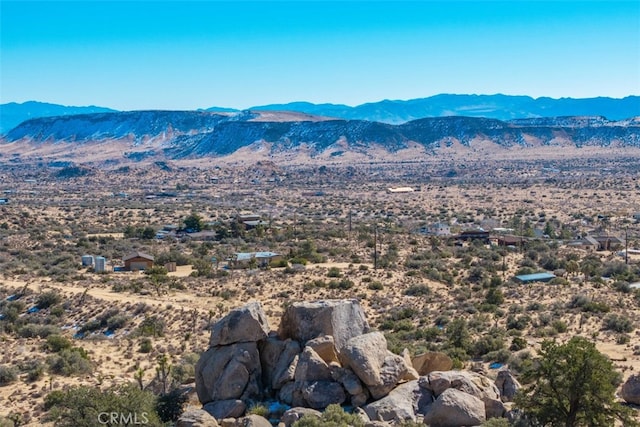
<point>536,277</point>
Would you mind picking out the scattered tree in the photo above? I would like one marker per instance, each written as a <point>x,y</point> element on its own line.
<point>574,385</point>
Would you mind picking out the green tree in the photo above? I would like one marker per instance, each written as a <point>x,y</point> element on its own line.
<point>194,222</point>
<point>574,385</point>
<point>81,406</point>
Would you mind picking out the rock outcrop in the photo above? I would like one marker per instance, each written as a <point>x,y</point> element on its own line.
<point>342,319</point>
<point>507,385</point>
<point>426,363</point>
<point>325,354</point>
<point>455,408</point>
<point>631,390</point>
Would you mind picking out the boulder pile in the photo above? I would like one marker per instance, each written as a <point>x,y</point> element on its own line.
<point>325,353</point>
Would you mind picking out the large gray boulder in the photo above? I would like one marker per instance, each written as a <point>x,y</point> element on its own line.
<point>402,403</point>
<point>469,382</point>
<point>631,390</point>
<point>320,394</point>
<point>325,347</point>
<point>253,420</point>
<point>365,355</point>
<point>455,408</point>
<point>244,324</point>
<point>393,370</point>
<point>222,409</point>
<point>195,417</point>
<point>311,367</point>
<point>378,368</point>
<point>229,372</point>
<point>507,385</point>
<point>276,358</point>
<point>342,319</point>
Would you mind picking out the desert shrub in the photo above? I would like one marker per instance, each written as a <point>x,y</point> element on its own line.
<point>42,331</point>
<point>618,323</point>
<point>417,290</point>
<point>57,343</point>
<point>259,409</point>
<point>185,370</point>
<point>152,326</point>
<point>334,272</point>
<point>8,374</point>
<point>342,284</point>
<point>333,416</point>
<point>47,299</point>
<point>494,296</point>
<point>375,286</point>
<point>34,369</point>
<point>518,343</point>
<point>145,345</point>
<point>622,287</point>
<point>90,326</point>
<point>491,342</point>
<point>117,321</point>
<point>560,326</point>
<point>519,322</point>
<point>72,361</point>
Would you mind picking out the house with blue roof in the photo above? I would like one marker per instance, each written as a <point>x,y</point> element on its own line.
<point>535,277</point>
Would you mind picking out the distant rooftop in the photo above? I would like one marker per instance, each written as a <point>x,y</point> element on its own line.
<point>535,277</point>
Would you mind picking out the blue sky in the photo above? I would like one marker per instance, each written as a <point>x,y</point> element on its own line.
<point>197,54</point>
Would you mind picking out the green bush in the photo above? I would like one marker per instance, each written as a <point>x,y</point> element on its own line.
<point>334,272</point>
<point>72,361</point>
<point>145,345</point>
<point>333,416</point>
<point>57,343</point>
<point>80,406</point>
<point>417,290</point>
<point>618,323</point>
<point>375,286</point>
<point>47,299</point>
<point>153,326</point>
<point>8,374</point>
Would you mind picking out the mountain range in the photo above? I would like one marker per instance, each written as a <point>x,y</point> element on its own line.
<point>178,135</point>
<point>501,107</point>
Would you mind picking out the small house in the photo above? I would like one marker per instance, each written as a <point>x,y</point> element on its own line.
<point>393,190</point>
<point>437,229</point>
<point>258,259</point>
<point>137,261</point>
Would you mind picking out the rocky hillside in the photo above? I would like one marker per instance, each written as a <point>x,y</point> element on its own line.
<point>188,134</point>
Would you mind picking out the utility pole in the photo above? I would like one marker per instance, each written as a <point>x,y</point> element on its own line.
<point>375,247</point>
<point>626,245</point>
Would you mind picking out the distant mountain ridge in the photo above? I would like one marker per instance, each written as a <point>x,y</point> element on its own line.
<point>501,107</point>
<point>12,114</point>
<point>177,135</point>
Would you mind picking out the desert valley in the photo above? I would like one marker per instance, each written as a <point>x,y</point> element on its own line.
<point>130,241</point>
